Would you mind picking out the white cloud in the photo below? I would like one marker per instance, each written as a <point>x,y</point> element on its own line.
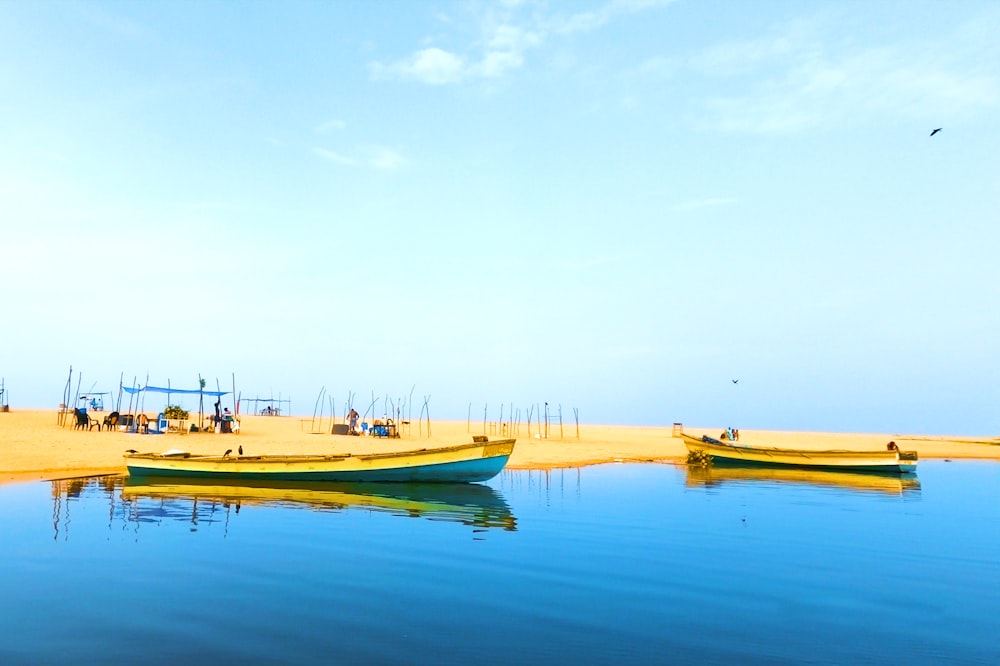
<point>658,66</point>
<point>503,46</point>
<point>110,22</point>
<point>433,66</point>
<point>592,20</point>
<point>336,158</point>
<point>383,158</point>
<point>587,263</point>
<point>328,126</point>
<point>496,63</point>
<point>507,37</point>
<point>698,204</point>
<point>803,79</point>
<point>376,157</point>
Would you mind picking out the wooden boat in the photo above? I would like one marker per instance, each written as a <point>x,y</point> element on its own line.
<point>466,503</point>
<point>465,463</point>
<point>890,484</point>
<point>710,450</point>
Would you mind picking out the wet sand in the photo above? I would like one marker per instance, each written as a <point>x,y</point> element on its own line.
<point>34,447</point>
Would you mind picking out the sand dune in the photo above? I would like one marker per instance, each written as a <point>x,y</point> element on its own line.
<point>34,447</point>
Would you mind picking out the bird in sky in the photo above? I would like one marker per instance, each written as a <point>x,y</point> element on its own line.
<point>131,451</point>
<point>936,131</point>
<point>736,381</point>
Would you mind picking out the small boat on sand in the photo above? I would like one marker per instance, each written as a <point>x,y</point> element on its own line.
<point>707,449</point>
<point>479,460</point>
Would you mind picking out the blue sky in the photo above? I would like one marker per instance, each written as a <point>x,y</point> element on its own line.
<point>613,206</point>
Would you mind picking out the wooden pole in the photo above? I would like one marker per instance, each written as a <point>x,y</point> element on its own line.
<point>61,417</point>
<point>76,397</point>
<point>131,396</point>
<point>427,400</point>
<point>145,386</point>
<point>121,377</point>
<point>410,416</point>
<point>312,424</point>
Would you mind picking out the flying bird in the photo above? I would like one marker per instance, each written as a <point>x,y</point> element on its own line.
<point>131,451</point>
<point>736,381</point>
<point>228,451</point>
<point>936,131</point>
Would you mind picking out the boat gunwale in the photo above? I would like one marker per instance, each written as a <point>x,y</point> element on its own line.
<point>803,453</point>
<point>299,458</point>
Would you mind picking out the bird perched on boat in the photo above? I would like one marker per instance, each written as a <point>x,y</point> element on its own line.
<point>131,451</point>
<point>936,131</point>
<point>226,454</point>
<point>241,449</point>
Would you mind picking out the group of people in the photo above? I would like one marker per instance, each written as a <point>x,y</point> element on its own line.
<point>224,420</point>
<point>731,434</point>
<point>384,427</point>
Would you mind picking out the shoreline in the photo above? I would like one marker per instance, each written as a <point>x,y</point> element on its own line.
<point>33,447</point>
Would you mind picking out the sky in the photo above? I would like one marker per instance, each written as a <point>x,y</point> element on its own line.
<point>617,207</point>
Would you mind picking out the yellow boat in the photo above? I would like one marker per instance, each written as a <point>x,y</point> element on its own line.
<point>470,504</point>
<point>480,460</point>
<point>892,484</point>
<point>710,450</point>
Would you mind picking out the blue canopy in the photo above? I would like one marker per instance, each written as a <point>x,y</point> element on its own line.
<point>161,389</point>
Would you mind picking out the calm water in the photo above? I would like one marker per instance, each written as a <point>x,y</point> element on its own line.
<point>608,564</point>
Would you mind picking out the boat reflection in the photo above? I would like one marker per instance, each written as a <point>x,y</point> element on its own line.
<point>714,475</point>
<point>467,503</point>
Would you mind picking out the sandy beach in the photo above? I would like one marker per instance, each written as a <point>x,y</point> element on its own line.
<point>33,446</point>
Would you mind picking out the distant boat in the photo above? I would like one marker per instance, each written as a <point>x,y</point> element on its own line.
<point>480,460</point>
<point>467,503</point>
<point>717,452</point>
<point>714,475</point>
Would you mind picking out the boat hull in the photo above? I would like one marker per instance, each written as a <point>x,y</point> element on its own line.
<point>467,463</point>
<point>720,453</point>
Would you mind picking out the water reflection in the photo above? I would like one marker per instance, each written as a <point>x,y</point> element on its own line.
<point>138,501</point>
<point>66,492</point>
<point>892,484</point>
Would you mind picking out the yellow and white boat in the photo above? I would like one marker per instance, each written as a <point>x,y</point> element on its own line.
<point>479,460</point>
<point>707,449</point>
